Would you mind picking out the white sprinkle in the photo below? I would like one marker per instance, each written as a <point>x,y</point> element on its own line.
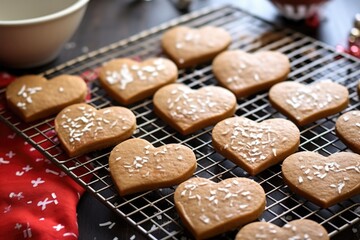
<point>301,180</point>
<point>180,157</point>
<point>112,225</point>
<point>205,219</point>
<point>340,186</point>
<point>113,124</point>
<point>132,237</point>
<point>243,206</point>
<point>246,193</point>
<point>105,224</point>
<point>118,158</point>
<point>346,118</point>
<point>61,89</point>
<point>274,151</point>
<point>22,90</point>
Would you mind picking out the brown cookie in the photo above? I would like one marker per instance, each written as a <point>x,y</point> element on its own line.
<point>128,81</point>
<point>348,129</point>
<point>323,180</point>
<point>188,47</point>
<point>255,146</point>
<point>297,229</point>
<point>81,128</point>
<point>207,208</point>
<point>33,97</point>
<point>189,110</point>
<point>136,166</point>
<point>245,74</point>
<point>305,104</point>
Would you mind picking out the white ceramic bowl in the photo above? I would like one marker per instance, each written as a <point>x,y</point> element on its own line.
<point>32,32</point>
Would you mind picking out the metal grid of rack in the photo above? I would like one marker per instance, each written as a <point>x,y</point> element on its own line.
<point>153,212</point>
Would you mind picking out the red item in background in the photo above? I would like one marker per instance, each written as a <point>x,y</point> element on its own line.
<point>37,199</point>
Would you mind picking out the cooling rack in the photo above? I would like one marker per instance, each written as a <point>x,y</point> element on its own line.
<point>153,212</point>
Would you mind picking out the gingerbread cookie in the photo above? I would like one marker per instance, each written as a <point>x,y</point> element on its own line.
<point>255,146</point>
<point>33,97</point>
<point>128,81</point>
<point>245,74</point>
<point>81,128</point>
<point>305,104</point>
<point>188,110</point>
<point>297,229</point>
<point>136,166</point>
<point>348,129</point>
<point>323,180</point>
<point>188,47</point>
<point>207,208</point>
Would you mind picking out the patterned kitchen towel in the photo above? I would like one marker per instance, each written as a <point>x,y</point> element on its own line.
<point>37,199</point>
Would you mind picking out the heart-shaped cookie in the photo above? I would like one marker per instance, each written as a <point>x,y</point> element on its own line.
<point>188,47</point>
<point>323,180</point>
<point>136,166</point>
<point>207,208</point>
<point>33,97</point>
<point>305,104</point>
<point>297,229</point>
<point>189,110</point>
<point>81,128</point>
<point>255,146</point>
<point>245,74</point>
<point>128,81</point>
<point>348,129</point>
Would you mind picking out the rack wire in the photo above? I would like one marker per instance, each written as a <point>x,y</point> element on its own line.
<point>153,212</point>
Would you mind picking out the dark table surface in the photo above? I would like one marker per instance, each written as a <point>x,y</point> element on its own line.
<point>108,21</point>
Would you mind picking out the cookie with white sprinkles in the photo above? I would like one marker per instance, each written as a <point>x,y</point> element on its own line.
<point>305,104</point>
<point>248,73</point>
<point>348,129</point>
<point>324,181</point>
<point>34,97</point>
<point>301,229</point>
<point>255,146</point>
<point>188,110</point>
<point>188,47</point>
<point>129,81</point>
<point>81,128</point>
<point>207,208</point>
<point>136,165</point>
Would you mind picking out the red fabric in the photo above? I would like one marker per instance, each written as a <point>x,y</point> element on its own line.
<point>37,199</point>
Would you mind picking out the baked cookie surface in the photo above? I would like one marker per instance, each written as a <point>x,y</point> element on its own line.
<point>136,166</point>
<point>255,146</point>
<point>248,73</point>
<point>324,181</point>
<point>188,110</point>
<point>305,104</point>
<point>128,81</point>
<point>81,128</point>
<point>347,128</point>
<point>207,208</point>
<point>188,47</point>
<point>297,229</point>
<point>34,97</point>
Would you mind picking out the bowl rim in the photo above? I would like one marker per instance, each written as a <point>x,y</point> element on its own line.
<point>74,7</point>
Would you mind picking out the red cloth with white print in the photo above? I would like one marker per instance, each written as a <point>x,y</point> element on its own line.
<point>37,199</point>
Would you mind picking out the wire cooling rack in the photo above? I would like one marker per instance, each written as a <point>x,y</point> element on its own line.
<point>153,212</point>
